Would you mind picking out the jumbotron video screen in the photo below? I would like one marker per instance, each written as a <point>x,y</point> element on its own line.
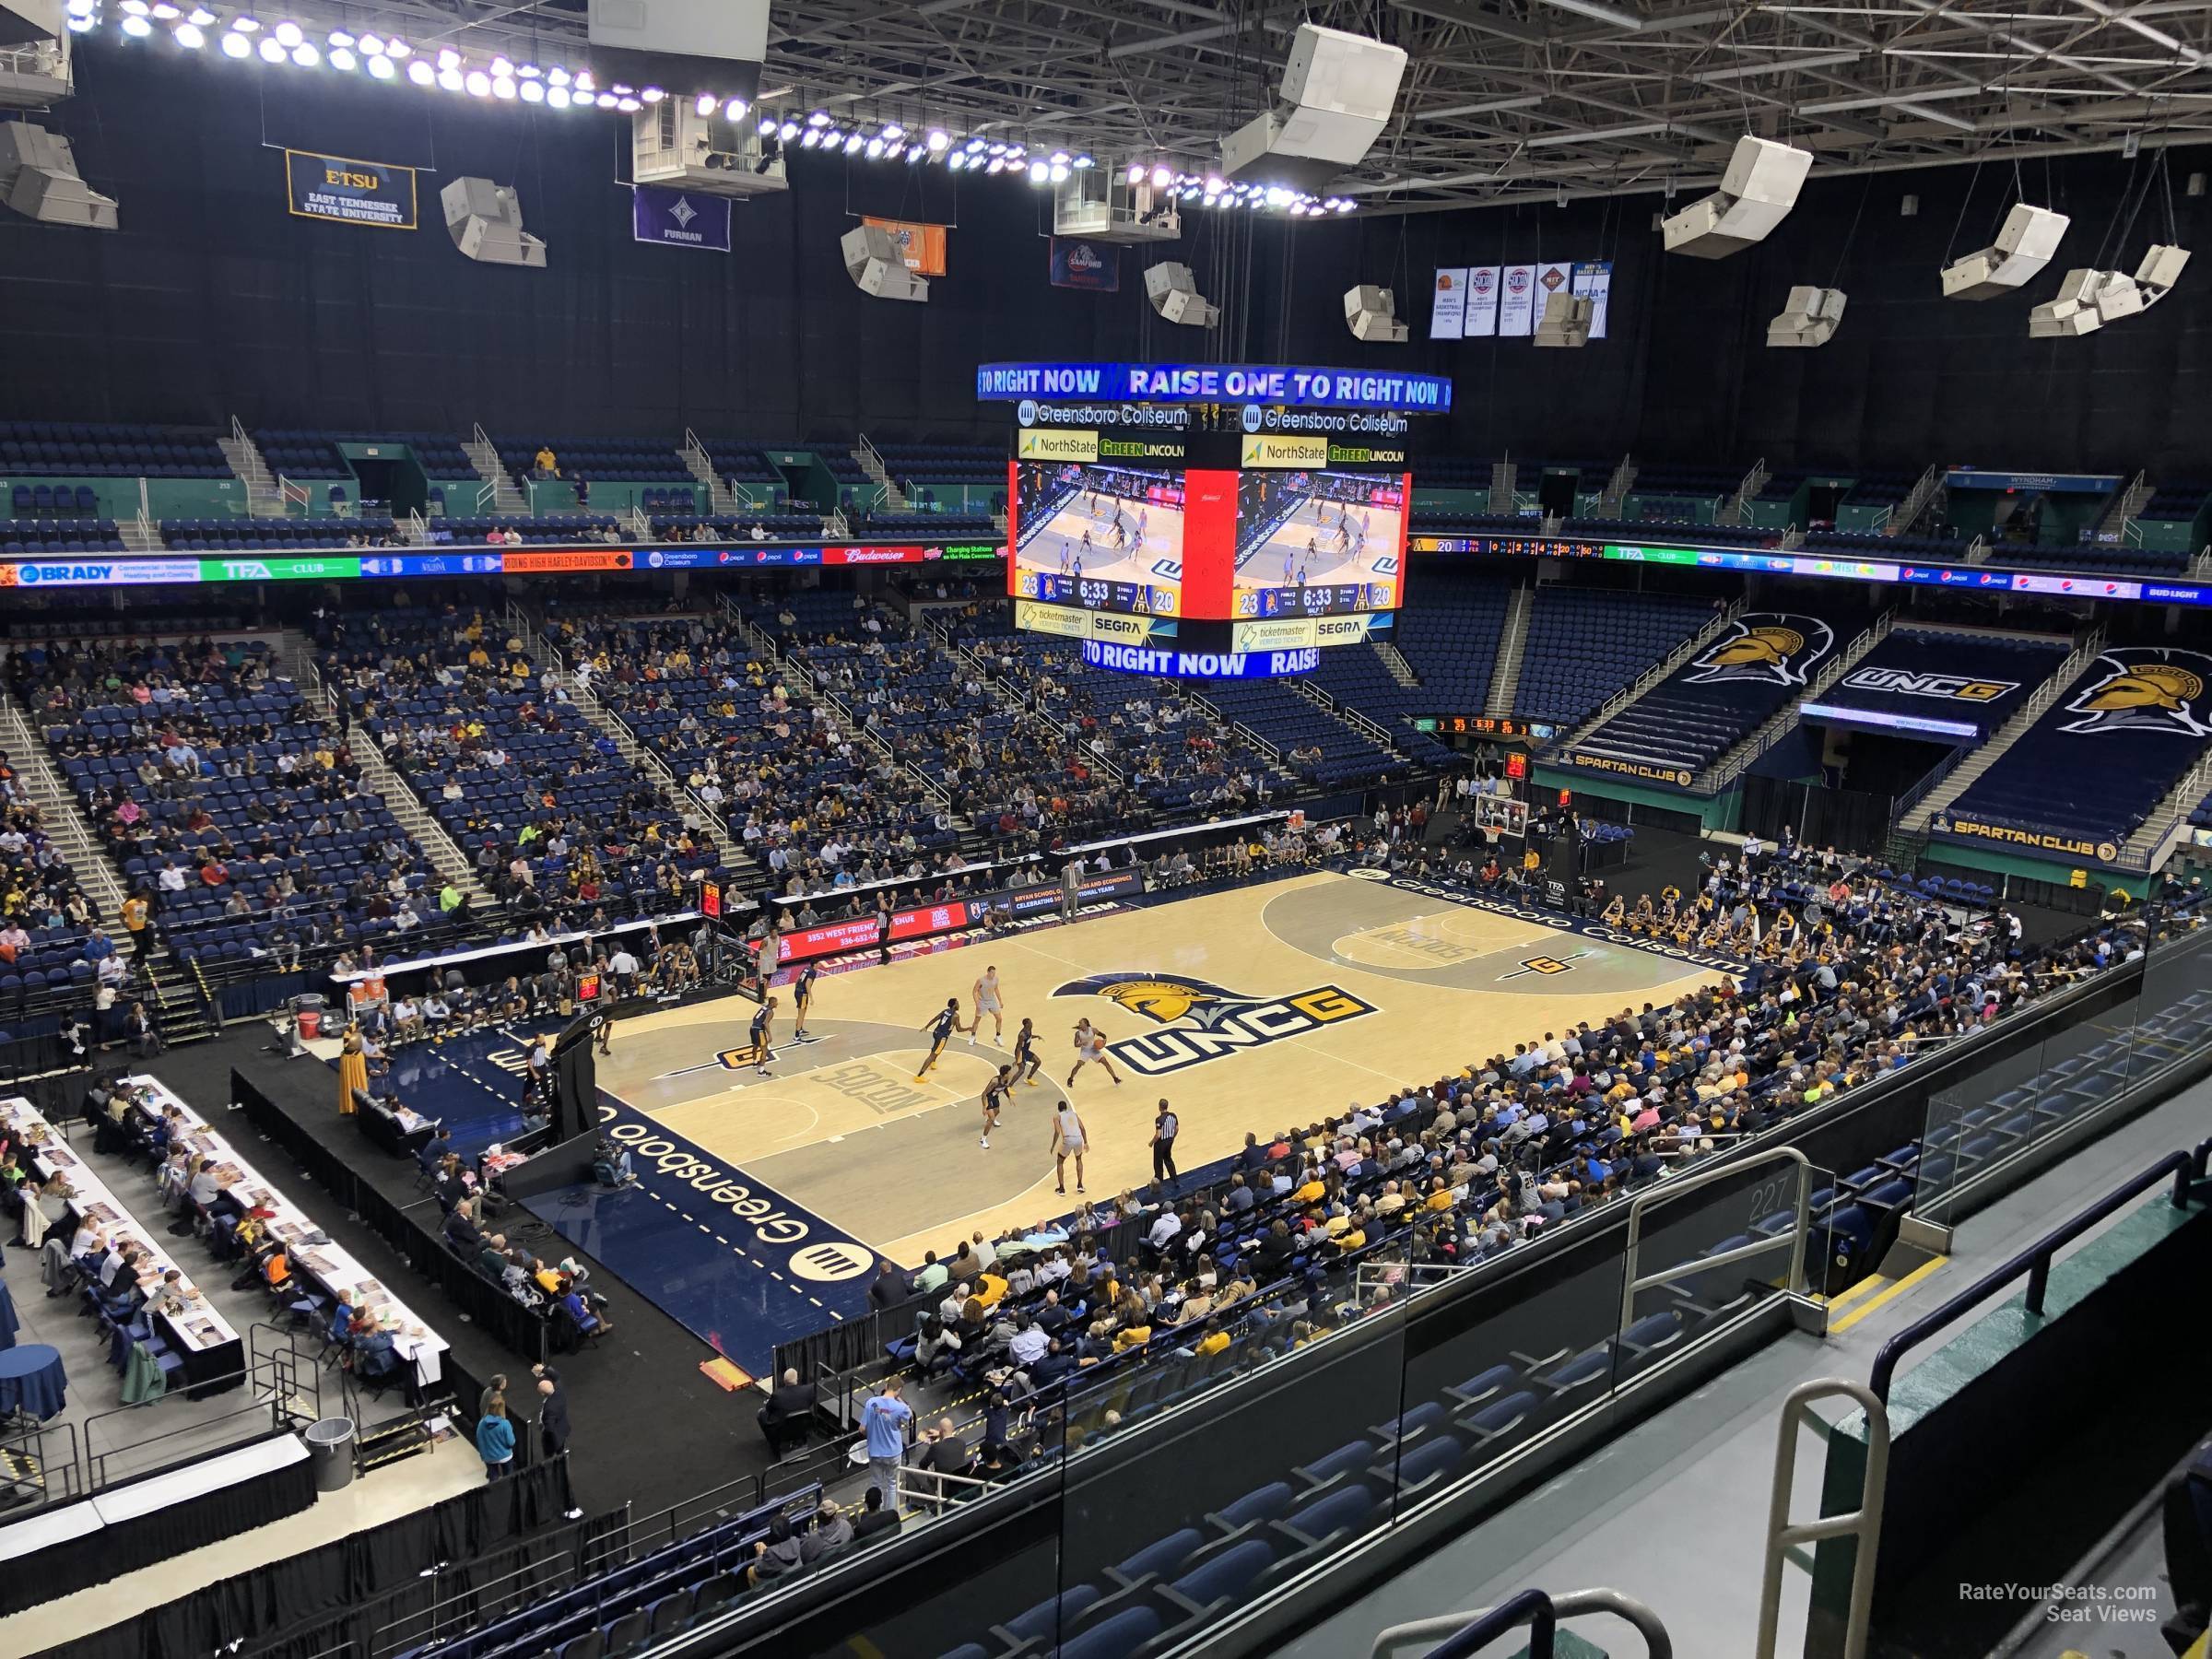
<point>1103,537</point>
<point>1318,543</point>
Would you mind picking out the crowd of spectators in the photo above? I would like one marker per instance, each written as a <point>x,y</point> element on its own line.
<point>818,808</point>
<point>227,803</point>
<point>1465,1167</point>
<point>1176,760</point>
<point>560,828</point>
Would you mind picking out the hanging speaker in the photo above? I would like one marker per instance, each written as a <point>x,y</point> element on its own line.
<point>2024,246</point>
<point>877,268</point>
<point>1371,312</point>
<point>1756,195</point>
<point>486,223</point>
<point>1810,317</point>
<point>1171,291</point>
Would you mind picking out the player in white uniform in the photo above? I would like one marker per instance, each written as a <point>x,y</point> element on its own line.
<point>1090,1050</point>
<point>1069,1140</point>
<point>987,1002</point>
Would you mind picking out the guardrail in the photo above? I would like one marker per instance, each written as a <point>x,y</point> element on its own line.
<point>2034,1262</point>
<point>1467,1633</point>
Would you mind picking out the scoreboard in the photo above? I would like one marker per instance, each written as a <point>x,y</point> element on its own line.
<point>1219,539</point>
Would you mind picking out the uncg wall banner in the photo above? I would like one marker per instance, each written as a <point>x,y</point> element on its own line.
<point>349,192</point>
<point>1079,262</point>
<point>679,219</point>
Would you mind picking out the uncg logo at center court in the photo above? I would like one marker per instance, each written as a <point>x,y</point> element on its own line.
<point>1202,1022</point>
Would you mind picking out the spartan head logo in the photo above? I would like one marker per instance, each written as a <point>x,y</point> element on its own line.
<point>1769,647</point>
<point>1160,1000</point>
<point>2145,688</point>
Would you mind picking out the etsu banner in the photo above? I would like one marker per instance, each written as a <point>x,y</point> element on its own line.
<point>679,219</point>
<point>349,192</point>
<point>1079,263</point>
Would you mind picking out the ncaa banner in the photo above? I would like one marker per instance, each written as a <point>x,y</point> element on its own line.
<point>679,219</point>
<point>1517,301</point>
<point>921,246</point>
<point>347,191</point>
<point>1079,264</point>
<point>1593,280</point>
<point>1448,316</point>
<point>1483,282</point>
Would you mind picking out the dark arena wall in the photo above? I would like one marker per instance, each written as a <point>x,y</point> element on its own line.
<point>213,302</point>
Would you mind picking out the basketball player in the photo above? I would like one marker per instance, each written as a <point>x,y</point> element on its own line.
<point>767,956</point>
<point>1026,1054</point>
<point>940,1027</point>
<point>801,999</point>
<point>1093,1049</point>
<point>987,1002</point>
<point>1069,1140</point>
<point>764,1021</point>
<point>997,1095</point>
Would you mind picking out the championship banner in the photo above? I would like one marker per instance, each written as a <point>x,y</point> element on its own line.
<point>1517,307</point>
<point>1593,280</point>
<point>1448,316</point>
<point>675,218</point>
<point>921,246</point>
<point>1079,264</point>
<point>348,192</point>
<point>1552,277</point>
<point>1482,301</point>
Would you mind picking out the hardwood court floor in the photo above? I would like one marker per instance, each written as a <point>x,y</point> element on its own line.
<point>1248,1009</point>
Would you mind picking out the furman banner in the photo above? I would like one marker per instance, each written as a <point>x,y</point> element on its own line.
<point>679,219</point>
<point>1077,263</point>
<point>348,192</point>
<point>919,245</point>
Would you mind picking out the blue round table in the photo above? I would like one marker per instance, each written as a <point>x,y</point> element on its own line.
<point>32,1380</point>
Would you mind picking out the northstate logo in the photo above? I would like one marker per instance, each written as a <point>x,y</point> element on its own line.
<point>1202,1022</point>
<point>2145,688</point>
<point>1774,648</point>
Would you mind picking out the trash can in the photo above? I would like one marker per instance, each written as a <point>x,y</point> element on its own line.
<point>330,1443</point>
<point>311,1024</point>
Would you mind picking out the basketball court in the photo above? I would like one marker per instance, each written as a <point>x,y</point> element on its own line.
<point>1324,543</point>
<point>1247,1009</point>
<point>1119,550</point>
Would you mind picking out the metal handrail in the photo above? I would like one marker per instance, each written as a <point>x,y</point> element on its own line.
<point>1862,1526</point>
<point>2035,1261</point>
<point>1674,1188</point>
<point>1465,1633</point>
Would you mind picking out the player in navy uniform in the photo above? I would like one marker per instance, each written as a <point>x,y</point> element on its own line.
<point>1026,1061</point>
<point>764,1021</point>
<point>940,1027</point>
<point>997,1095</point>
<point>801,999</point>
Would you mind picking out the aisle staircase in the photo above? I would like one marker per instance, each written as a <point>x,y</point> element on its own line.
<point>720,496</point>
<point>1737,508</point>
<point>2126,504</point>
<point>59,814</point>
<point>1513,643</point>
<point>1618,488</point>
<point>1394,660</point>
<point>1655,675</point>
<point>893,499</point>
<point>1972,762</point>
<point>1738,759</point>
<point>380,777</point>
<point>265,496</point>
<point>506,494</point>
<point>1504,476</point>
<point>735,859</point>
